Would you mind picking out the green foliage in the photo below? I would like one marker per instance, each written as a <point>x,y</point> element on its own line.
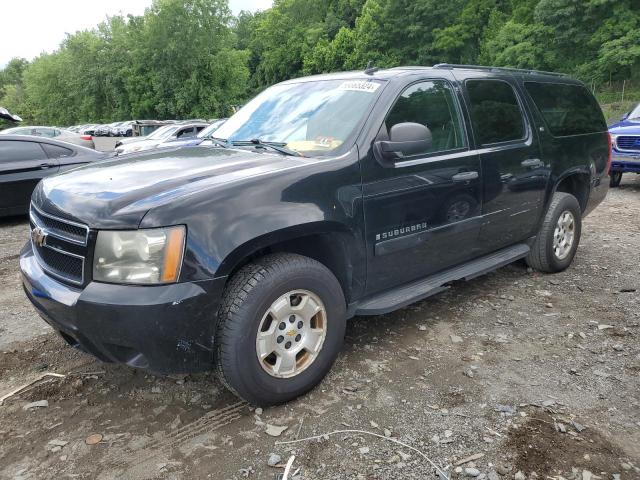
<point>192,58</point>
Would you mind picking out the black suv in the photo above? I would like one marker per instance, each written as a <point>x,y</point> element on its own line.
<point>323,198</point>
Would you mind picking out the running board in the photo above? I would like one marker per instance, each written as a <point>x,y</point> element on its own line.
<point>388,301</point>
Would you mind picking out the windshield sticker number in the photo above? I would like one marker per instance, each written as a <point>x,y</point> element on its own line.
<point>359,86</point>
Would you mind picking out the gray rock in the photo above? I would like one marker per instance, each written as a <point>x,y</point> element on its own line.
<point>579,428</point>
<point>506,409</point>
<point>274,459</point>
<point>38,404</point>
<point>471,472</point>
<point>503,469</point>
<point>519,476</point>
<point>493,476</point>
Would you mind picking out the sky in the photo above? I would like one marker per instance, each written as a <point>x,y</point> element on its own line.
<point>31,27</point>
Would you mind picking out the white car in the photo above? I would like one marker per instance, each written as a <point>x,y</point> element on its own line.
<point>162,137</point>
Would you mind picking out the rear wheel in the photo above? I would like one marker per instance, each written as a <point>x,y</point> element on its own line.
<point>280,327</point>
<point>558,239</point>
<point>615,179</point>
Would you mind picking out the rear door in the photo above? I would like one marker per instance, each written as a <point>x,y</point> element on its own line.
<point>514,174</point>
<point>422,212</point>
<point>22,165</point>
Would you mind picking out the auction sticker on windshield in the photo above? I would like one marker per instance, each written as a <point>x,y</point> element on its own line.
<point>359,86</point>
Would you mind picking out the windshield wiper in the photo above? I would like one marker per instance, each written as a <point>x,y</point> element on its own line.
<point>277,146</point>
<point>222,142</point>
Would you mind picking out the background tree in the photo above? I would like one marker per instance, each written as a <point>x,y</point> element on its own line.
<point>193,58</point>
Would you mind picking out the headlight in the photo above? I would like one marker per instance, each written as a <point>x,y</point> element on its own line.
<point>613,139</point>
<point>150,256</point>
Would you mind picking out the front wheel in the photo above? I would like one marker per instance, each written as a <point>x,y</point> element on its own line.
<point>280,327</point>
<point>558,239</point>
<point>615,179</point>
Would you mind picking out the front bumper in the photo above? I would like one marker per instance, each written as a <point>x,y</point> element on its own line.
<point>164,329</point>
<point>625,162</point>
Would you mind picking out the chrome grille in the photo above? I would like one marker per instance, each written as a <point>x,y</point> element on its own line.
<point>628,143</point>
<point>63,249</point>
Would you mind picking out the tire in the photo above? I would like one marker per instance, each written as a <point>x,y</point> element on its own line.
<point>544,256</point>
<point>616,178</point>
<point>244,311</point>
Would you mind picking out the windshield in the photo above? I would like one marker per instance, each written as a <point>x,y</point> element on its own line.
<point>210,129</point>
<point>635,113</point>
<point>162,132</point>
<point>316,116</point>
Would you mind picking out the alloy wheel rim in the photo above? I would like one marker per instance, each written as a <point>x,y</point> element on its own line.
<point>291,334</point>
<point>564,235</point>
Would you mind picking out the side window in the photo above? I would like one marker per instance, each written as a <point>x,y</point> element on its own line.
<point>55,151</point>
<point>495,112</point>
<point>186,133</point>
<point>15,151</point>
<point>431,104</point>
<point>567,109</point>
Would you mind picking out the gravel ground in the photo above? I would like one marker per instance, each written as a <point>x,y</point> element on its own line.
<point>521,372</point>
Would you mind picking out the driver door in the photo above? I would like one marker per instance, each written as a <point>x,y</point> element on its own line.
<point>422,211</point>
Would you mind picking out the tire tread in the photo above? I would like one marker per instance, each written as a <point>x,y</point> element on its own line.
<point>538,257</point>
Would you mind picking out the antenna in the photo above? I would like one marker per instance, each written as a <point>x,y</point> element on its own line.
<point>370,70</point>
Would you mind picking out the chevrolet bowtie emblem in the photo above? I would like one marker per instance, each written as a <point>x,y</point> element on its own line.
<point>38,236</point>
<point>291,333</point>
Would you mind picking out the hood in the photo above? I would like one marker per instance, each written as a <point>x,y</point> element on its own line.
<point>626,127</point>
<point>137,146</point>
<point>118,193</point>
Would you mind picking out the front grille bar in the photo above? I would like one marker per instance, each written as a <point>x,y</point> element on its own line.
<point>39,218</point>
<point>52,258</point>
<point>628,144</point>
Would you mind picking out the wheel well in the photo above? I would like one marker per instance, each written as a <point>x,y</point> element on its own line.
<point>578,186</point>
<point>330,249</point>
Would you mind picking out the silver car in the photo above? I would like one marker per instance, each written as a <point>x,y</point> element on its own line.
<point>53,132</point>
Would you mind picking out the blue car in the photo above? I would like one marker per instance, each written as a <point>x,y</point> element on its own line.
<point>625,138</point>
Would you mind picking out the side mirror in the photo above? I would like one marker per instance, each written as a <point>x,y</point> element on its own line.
<point>405,139</point>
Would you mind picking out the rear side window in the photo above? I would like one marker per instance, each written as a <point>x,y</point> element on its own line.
<point>495,112</point>
<point>15,151</point>
<point>54,151</point>
<point>567,109</point>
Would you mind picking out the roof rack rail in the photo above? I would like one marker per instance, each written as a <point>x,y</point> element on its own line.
<point>499,69</point>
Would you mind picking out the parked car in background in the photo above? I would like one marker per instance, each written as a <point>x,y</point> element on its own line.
<point>198,139</point>
<point>25,160</point>
<point>625,138</point>
<point>323,198</point>
<point>114,129</point>
<point>63,135</point>
<point>104,130</point>
<point>164,136</point>
<point>125,129</point>
<point>88,129</point>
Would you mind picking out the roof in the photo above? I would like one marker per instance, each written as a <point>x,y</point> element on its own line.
<point>388,73</point>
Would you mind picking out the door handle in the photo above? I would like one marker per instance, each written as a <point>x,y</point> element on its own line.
<point>44,166</point>
<point>532,162</point>
<point>465,176</point>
